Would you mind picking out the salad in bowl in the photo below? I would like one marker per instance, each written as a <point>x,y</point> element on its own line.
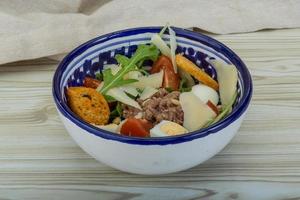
<point>155,92</point>
<point>152,100</point>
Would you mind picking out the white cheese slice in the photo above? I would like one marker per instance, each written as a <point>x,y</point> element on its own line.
<point>196,112</point>
<point>153,80</point>
<point>161,45</point>
<point>109,127</point>
<point>148,92</point>
<point>227,79</point>
<point>130,90</point>
<point>120,95</point>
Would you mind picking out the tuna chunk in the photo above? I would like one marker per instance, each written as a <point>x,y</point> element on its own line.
<point>161,106</point>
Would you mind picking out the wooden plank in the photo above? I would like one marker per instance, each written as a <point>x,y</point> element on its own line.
<point>38,159</point>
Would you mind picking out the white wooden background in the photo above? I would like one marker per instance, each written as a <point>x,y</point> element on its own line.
<point>38,159</point>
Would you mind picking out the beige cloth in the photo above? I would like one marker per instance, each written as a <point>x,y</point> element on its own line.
<point>34,28</point>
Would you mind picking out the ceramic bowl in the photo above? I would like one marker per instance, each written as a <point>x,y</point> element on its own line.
<point>149,155</point>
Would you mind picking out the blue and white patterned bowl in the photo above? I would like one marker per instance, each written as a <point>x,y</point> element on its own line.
<point>148,155</point>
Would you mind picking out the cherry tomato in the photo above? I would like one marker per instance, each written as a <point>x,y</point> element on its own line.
<point>136,127</point>
<point>91,82</point>
<point>162,61</point>
<point>171,79</point>
<point>212,106</point>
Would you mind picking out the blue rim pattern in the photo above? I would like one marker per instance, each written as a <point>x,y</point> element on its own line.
<point>141,39</point>
<point>210,42</point>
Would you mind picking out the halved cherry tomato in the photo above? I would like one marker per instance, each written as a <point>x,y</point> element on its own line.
<point>162,61</point>
<point>136,127</point>
<point>91,82</point>
<point>171,79</point>
<point>212,106</point>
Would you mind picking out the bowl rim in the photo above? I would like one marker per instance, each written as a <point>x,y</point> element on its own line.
<point>196,36</point>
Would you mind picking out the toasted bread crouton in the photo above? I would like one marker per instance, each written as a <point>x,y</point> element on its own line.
<point>189,67</point>
<point>88,104</point>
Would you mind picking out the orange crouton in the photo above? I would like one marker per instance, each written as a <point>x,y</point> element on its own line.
<point>88,104</point>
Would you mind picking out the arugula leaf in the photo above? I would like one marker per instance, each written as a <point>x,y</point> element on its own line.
<point>130,96</point>
<point>99,76</point>
<point>139,90</point>
<point>111,80</point>
<point>142,53</point>
<point>122,60</point>
<point>117,112</point>
<point>183,85</point>
<point>119,108</point>
<point>109,99</point>
<point>144,72</point>
<point>169,89</point>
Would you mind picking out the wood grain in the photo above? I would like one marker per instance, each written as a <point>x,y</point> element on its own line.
<point>38,159</point>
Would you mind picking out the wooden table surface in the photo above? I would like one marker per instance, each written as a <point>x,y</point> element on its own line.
<point>39,160</point>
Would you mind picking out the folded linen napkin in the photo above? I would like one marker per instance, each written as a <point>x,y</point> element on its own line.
<point>33,28</point>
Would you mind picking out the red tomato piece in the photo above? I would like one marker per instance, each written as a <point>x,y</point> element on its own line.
<point>91,82</point>
<point>136,127</point>
<point>171,79</point>
<point>162,61</point>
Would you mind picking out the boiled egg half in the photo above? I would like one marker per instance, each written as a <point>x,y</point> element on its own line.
<point>167,128</point>
<point>205,93</point>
